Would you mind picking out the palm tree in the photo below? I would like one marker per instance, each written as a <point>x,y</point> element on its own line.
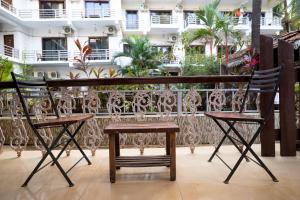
<point>6,67</point>
<point>209,16</point>
<point>256,15</point>
<point>142,54</point>
<point>225,25</point>
<point>290,13</point>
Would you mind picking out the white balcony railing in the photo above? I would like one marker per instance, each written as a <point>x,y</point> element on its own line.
<point>97,54</point>
<point>163,19</point>
<point>93,13</point>
<point>9,51</point>
<point>8,6</point>
<point>42,13</point>
<point>132,24</point>
<point>275,21</point>
<point>167,61</point>
<point>241,21</point>
<point>45,55</point>
<point>193,20</point>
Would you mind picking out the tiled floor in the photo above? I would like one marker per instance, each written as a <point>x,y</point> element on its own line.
<point>196,178</point>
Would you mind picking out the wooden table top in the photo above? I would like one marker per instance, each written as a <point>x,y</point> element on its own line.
<point>141,127</point>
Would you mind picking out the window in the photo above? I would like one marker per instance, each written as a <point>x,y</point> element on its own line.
<point>132,20</point>
<point>51,9</point>
<point>54,49</point>
<point>95,9</point>
<point>8,45</point>
<point>161,17</point>
<point>99,47</point>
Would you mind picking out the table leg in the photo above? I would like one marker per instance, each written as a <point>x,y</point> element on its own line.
<point>172,155</point>
<point>112,157</point>
<point>168,143</point>
<point>117,146</point>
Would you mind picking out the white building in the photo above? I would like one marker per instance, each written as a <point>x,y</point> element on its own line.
<point>42,32</point>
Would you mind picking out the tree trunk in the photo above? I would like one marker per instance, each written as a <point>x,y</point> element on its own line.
<point>226,48</point>
<point>286,16</point>
<point>256,15</point>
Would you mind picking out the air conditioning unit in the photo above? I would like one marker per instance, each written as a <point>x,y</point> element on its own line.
<point>172,38</point>
<point>38,74</point>
<point>67,30</point>
<point>52,75</point>
<point>110,30</point>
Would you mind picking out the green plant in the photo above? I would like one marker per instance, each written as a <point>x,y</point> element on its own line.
<point>226,27</point>
<point>196,64</point>
<point>209,16</point>
<point>82,63</point>
<point>26,70</point>
<point>143,56</point>
<point>6,67</point>
<point>73,75</point>
<point>290,13</point>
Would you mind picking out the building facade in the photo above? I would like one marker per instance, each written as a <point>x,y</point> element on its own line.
<point>41,33</point>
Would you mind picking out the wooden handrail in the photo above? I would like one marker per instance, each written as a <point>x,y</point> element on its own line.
<point>141,81</point>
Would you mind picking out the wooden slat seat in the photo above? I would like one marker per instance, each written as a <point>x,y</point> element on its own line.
<point>233,116</point>
<point>143,161</point>
<point>63,120</point>
<point>141,127</point>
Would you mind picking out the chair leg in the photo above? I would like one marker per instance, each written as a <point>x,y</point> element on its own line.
<point>217,149</point>
<point>72,136</point>
<point>231,140</point>
<point>252,151</point>
<point>35,169</point>
<point>48,152</point>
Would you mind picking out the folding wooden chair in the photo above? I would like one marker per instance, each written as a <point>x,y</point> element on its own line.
<point>261,81</point>
<point>38,89</point>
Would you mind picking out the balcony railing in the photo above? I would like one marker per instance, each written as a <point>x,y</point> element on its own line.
<point>93,13</point>
<point>275,21</point>
<point>97,54</point>
<point>8,6</point>
<point>193,20</point>
<point>45,55</point>
<point>167,61</point>
<point>132,24</point>
<point>241,20</point>
<point>9,51</point>
<point>163,19</point>
<point>42,13</point>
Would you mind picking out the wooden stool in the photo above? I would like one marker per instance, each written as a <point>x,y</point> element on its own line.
<point>116,161</point>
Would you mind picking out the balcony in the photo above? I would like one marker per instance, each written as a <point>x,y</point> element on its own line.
<point>9,52</point>
<point>63,56</point>
<point>270,25</point>
<point>46,56</point>
<point>38,17</point>
<point>8,7</point>
<point>98,55</point>
<point>192,22</point>
<point>101,18</point>
<point>164,24</point>
<point>42,14</point>
<point>154,98</point>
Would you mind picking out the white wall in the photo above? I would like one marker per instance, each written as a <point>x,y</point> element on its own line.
<point>31,38</point>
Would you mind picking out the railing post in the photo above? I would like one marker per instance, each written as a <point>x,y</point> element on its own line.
<point>267,136</point>
<point>287,99</point>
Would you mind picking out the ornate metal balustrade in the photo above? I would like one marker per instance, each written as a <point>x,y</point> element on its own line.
<point>142,102</point>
